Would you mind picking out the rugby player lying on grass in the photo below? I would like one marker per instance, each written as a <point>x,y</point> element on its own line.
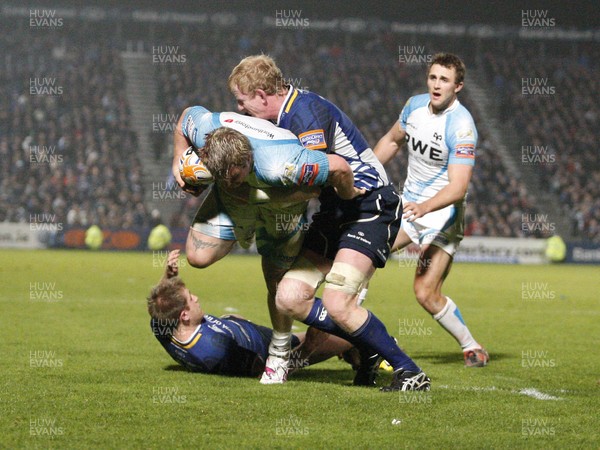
<point>229,345</point>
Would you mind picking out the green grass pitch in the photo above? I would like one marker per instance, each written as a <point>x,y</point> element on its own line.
<point>81,369</point>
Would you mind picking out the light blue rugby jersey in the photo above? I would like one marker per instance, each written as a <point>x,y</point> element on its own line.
<point>435,141</point>
<point>279,158</point>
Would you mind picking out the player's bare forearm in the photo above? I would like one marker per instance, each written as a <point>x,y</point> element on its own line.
<point>442,199</point>
<point>172,269</point>
<point>459,176</point>
<point>342,178</point>
<point>389,145</point>
<point>180,144</point>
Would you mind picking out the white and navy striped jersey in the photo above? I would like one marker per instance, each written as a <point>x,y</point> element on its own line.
<point>320,125</point>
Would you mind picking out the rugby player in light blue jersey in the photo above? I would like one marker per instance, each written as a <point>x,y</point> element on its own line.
<point>228,345</point>
<point>441,138</point>
<point>347,239</point>
<point>269,205</point>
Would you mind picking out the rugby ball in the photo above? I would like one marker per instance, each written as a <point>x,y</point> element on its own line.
<point>192,169</point>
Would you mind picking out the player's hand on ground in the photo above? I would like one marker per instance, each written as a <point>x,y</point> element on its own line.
<point>172,264</point>
<point>413,211</point>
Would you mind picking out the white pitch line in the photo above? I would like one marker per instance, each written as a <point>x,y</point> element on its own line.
<point>530,392</point>
<point>470,388</point>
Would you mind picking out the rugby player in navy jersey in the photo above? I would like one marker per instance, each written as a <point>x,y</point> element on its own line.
<point>347,239</point>
<point>441,138</point>
<point>227,345</point>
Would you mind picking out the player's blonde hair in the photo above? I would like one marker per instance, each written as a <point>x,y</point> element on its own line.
<point>450,60</point>
<point>225,148</point>
<point>167,300</point>
<point>257,72</point>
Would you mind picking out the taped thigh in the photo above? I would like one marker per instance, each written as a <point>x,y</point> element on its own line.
<point>304,270</point>
<point>346,278</point>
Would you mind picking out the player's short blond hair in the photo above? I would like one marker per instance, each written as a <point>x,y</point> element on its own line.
<point>449,60</point>
<point>225,148</point>
<point>167,300</point>
<point>257,72</point>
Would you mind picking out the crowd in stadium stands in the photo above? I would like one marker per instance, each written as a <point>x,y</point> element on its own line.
<point>558,121</point>
<point>97,178</point>
<point>67,151</point>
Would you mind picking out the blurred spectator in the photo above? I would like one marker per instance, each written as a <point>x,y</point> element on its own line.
<point>559,119</point>
<point>68,152</point>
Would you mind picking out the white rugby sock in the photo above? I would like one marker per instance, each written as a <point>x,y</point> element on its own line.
<point>449,318</point>
<point>281,344</point>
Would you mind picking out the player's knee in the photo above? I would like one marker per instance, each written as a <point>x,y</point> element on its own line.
<point>424,293</point>
<point>198,261</point>
<point>290,296</point>
<point>339,311</point>
<point>297,287</point>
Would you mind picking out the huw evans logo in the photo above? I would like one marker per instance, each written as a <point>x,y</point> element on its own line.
<point>413,54</point>
<point>536,18</point>
<point>44,291</point>
<point>45,427</point>
<point>167,395</point>
<point>44,358</point>
<point>537,86</point>
<point>290,18</point>
<point>291,426</point>
<point>44,86</point>
<point>168,54</point>
<point>537,154</point>
<point>44,18</point>
<point>44,154</point>
<point>531,359</point>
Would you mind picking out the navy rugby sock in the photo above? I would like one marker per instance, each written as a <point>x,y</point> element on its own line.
<point>374,335</point>
<point>320,319</point>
